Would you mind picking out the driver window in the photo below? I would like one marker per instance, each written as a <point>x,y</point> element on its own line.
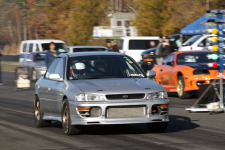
<point>202,43</point>
<point>166,60</point>
<point>52,67</point>
<point>59,70</point>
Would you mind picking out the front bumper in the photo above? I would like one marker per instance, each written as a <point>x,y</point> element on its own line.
<point>149,117</point>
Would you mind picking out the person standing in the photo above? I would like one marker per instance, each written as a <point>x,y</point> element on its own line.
<point>52,53</point>
<point>167,47</point>
<point>159,50</point>
<point>109,46</point>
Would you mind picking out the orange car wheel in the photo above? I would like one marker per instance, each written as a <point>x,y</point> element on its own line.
<point>180,88</point>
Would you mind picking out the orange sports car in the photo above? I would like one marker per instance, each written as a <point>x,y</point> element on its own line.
<point>183,72</point>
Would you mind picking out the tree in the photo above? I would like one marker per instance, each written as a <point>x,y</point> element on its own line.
<point>151,16</point>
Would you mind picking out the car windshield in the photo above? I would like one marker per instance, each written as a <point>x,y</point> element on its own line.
<point>194,57</point>
<point>39,56</point>
<point>99,67</point>
<point>59,46</point>
<point>89,49</point>
<point>192,40</point>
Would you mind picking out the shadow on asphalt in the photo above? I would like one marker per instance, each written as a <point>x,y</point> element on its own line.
<point>177,124</point>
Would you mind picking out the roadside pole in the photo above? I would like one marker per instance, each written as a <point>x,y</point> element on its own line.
<point>0,68</point>
<point>220,22</point>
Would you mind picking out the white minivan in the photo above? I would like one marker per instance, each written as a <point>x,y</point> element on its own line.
<point>134,46</point>
<point>29,46</point>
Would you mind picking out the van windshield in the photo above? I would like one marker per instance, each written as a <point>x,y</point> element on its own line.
<point>59,46</point>
<point>192,40</point>
<point>141,44</point>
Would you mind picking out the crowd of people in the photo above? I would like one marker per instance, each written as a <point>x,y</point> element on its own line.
<point>164,48</point>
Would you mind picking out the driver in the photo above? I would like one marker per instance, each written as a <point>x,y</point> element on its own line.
<point>77,70</point>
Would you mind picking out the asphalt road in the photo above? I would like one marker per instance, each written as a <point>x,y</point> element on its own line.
<point>185,131</point>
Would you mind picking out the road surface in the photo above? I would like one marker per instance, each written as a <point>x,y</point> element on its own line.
<point>185,131</point>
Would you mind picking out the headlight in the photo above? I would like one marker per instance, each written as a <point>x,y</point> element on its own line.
<point>157,95</point>
<point>89,97</point>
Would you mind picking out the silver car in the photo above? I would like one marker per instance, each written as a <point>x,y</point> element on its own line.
<point>89,88</point>
<point>35,62</point>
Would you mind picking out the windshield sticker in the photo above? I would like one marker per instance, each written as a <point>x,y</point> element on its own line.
<point>136,75</point>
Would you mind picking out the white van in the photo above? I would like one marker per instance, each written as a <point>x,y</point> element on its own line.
<point>134,46</point>
<point>29,46</point>
<point>197,42</point>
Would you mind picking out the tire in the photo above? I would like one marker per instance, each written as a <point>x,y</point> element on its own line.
<point>180,88</point>
<point>38,115</point>
<point>66,120</point>
<point>157,127</point>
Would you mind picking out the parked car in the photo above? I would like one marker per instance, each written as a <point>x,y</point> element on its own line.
<point>87,49</point>
<point>29,46</point>
<point>183,72</point>
<point>148,59</point>
<point>197,42</point>
<point>35,61</point>
<point>134,46</point>
<point>99,88</point>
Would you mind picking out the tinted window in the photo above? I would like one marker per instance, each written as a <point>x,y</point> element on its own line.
<point>169,58</point>
<point>52,67</point>
<point>96,67</point>
<point>24,47</point>
<point>121,44</point>
<point>37,48</point>
<point>140,44</point>
<point>195,57</point>
<point>59,46</point>
<point>31,47</point>
<point>59,70</point>
<point>89,49</point>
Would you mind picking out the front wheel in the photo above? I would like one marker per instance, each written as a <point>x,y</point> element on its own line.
<point>66,121</point>
<point>180,88</point>
<point>38,115</point>
<point>157,127</point>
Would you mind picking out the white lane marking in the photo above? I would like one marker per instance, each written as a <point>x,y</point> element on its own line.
<point>17,111</point>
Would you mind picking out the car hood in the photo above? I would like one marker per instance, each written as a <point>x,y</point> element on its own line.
<point>117,86</point>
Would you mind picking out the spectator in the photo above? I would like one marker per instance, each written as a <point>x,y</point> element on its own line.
<point>109,46</point>
<point>116,48</point>
<point>52,53</point>
<point>159,50</point>
<point>152,44</point>
<point>167,47</point>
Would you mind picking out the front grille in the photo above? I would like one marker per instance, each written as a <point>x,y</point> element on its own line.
<point>125,96</point>
<point>126,112</point>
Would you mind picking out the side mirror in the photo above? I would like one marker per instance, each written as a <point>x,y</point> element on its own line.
<point>151,74</point>
<point>55,77</point>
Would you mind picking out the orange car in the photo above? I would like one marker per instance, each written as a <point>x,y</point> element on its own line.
<point>183,72</point>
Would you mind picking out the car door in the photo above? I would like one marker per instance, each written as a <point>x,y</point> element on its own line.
<point>56,89</point>
<point>45,87</point>
<point>164,71</point>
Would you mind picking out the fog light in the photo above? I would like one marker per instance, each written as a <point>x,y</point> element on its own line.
<point>164,105</point>
<point>83,108</point>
